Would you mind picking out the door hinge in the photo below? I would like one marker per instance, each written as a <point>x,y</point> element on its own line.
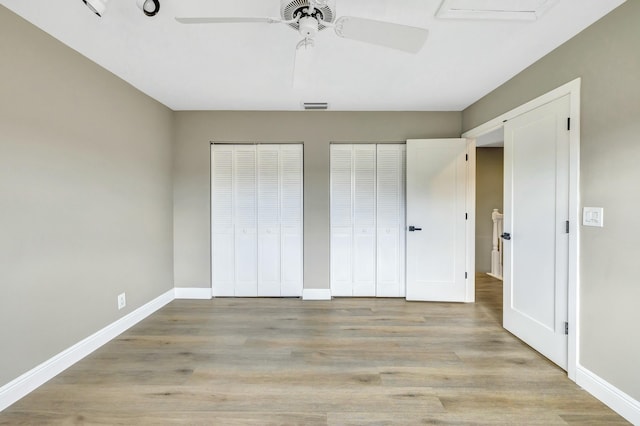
<point>466,157</point>
<point>569,123</point>
<point>466,216</point>
<point>466,275</point>
<point>566,328</point>
<point>567,227</point>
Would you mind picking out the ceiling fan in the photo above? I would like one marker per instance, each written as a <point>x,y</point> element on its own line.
<point>308,17</point>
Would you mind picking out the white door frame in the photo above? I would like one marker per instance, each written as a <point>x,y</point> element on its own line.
<point>573,90</point>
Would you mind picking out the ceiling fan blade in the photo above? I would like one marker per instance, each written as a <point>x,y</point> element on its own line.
<point>229,20</point>
<point>303,63</point>
<point>387,34</point>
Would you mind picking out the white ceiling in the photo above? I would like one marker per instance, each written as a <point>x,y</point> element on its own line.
<point>249,66</point>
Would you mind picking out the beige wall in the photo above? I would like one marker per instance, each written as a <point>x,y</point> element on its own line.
<point>85,197</point>
<point>195,130</point>
<point>489,190</point>
<point>607,57</point>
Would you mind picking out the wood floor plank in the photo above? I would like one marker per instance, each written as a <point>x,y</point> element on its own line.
<point>523,417</point>
<point>340,362</point>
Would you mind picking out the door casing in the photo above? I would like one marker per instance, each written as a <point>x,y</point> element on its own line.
<point>573,90</point>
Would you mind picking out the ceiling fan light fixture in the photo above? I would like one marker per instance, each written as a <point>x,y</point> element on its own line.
<point>96,6</point>
<point>149,7</point>
<point>294,9</point>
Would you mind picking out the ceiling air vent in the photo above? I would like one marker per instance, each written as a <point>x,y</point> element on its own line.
<point>315,106</point>
<point>510,10</point>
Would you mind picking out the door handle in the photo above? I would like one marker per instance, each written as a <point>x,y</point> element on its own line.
<point>506,236</point>
<point>413,229</point>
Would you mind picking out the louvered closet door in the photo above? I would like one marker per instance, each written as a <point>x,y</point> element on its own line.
<point>364,220</point>
<point>368,220</point>
<point>341,220</point>
<point>291,216</point>
<point>257,196</point>
<point>390,262</point>
<point>269,259</point>
<point>280,187</point>
<point>246,221</point>
<point>222,227</point>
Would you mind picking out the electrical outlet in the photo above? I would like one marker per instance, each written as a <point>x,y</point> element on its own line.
<point>122,301</point>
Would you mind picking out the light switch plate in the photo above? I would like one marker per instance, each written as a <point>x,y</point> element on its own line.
<point>593,216</point>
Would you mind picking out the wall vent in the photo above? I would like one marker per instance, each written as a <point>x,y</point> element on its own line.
<point>315,106</point>
<point>510,10</point>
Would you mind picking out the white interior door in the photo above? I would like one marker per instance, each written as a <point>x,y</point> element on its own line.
<point>536,211</point>
<point>436,209</point>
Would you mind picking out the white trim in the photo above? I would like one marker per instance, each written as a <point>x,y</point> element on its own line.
<point>572,88</point>
<point>37,376</point>
<point>316,294</point>
<point>573,291</point>
<point>573,307</point>
<point>193,293</point>
<point>471,222</point>
<point>610,395</point>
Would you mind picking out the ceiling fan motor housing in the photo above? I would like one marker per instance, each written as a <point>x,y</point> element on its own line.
<point>289,9</point>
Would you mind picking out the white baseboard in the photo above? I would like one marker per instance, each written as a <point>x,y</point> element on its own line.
<point>610,395</point>
<point>316,294</point>
<point>32,379</point>
<point>494,276</point>
<point>193,293</point>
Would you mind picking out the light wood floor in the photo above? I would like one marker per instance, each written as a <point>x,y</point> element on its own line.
<point>285,361</point>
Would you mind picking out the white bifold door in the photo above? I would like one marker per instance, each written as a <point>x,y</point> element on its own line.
<point>256,213</point>
<point>368,220</point>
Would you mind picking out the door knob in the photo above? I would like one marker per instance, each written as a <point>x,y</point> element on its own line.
<point>506,236</point>
<point>413,229</point>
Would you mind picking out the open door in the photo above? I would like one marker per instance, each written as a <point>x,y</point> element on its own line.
<point>536,214</point>
<point>437,172</point>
